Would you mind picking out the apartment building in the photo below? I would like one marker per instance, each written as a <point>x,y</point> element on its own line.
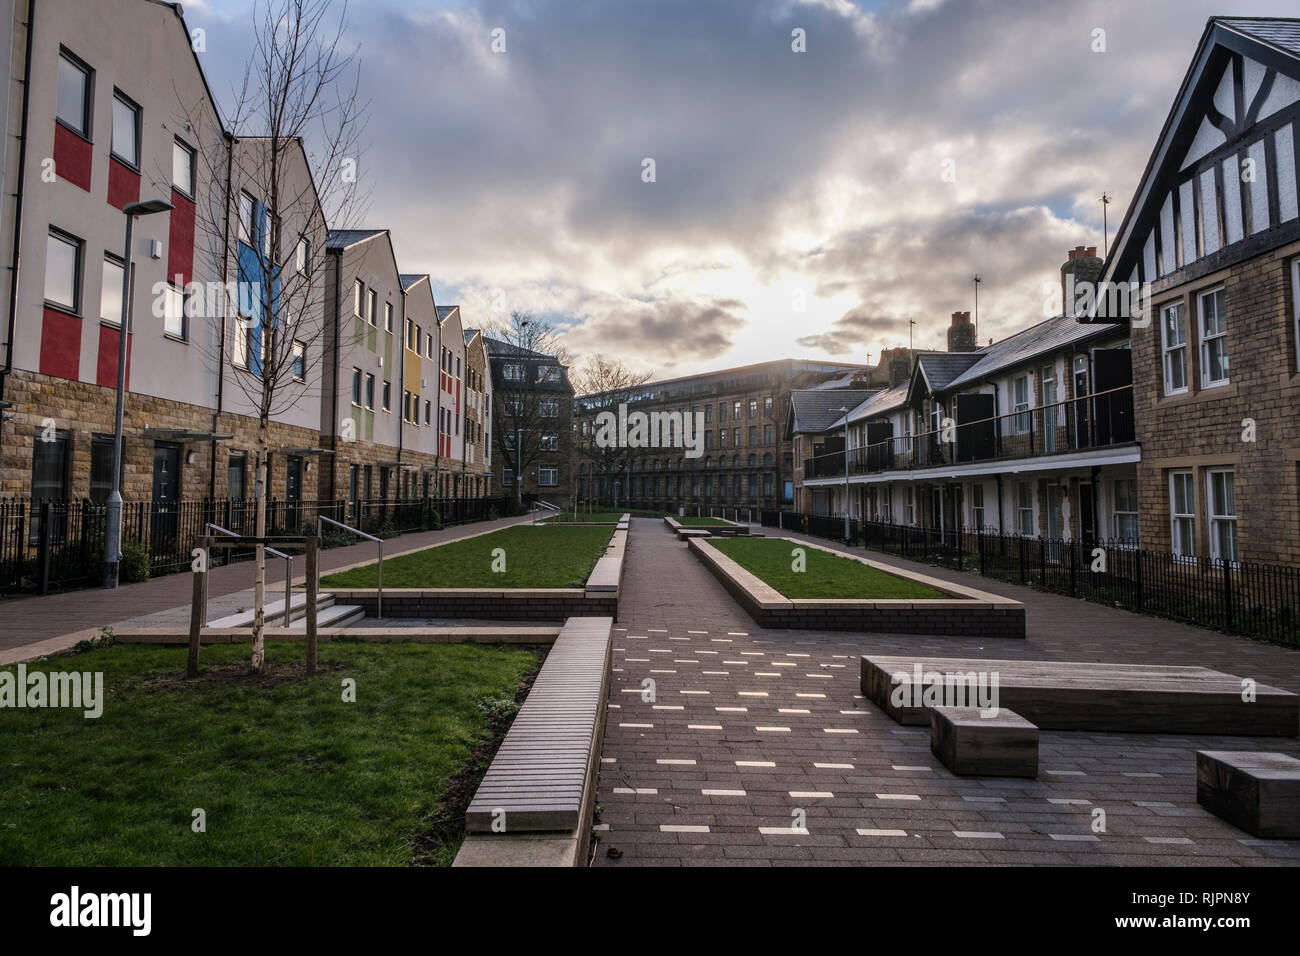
<point>421,341</point>
<point>477,459</point>
<point>1213,236</point>
<point>451,404</point>
<point>96,132</point>
<point>1032,435</point>
<point>533,415</point>
<point>745,457</point>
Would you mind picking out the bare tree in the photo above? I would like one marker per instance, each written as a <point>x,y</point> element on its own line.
<point>282,176</point>
<point>532,395</point>
<point>602,385</point>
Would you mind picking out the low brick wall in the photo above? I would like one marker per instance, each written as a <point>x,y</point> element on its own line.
<point>494,604</point>
<point>966,612</point>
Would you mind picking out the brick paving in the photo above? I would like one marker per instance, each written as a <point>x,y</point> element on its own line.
<point>752,732</point>
<point>44,620</point>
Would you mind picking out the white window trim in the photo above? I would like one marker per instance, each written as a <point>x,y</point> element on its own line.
<point>1212,518</point>
<point>1175,516</point>
<point>1166,349</point>
<point>1204,341</point>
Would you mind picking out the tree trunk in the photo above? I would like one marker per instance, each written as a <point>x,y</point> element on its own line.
<point>259,577</point>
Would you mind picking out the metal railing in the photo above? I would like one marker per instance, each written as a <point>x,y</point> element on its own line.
<point>1102,420</point>
<point>321,521</point>
<point>288,572</point>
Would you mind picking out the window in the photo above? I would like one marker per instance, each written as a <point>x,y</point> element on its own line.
<point>512,373</point>
<point>1023,423</point>
<point>549,408</point>
<point>371,300</point>
<point>299,361</point>
<point>708,414</point>
<point>1222,501</point>
<point>358,297</point>
<point>514,407</point>
<point>977,505</point>
<point>110,292</point>
<point>735,436</point>
<point>126,130</point>
<point>735,410</point>
<point>73,109</point>
<point>370,390</point>
<point>547,477</point>
<point>1025,508</point>
<point>241,341</point>
<point>1126,510</point>
<point>247,219</point>
<point>428,408</point>
<point>545,373</point>
<point>936,416</point>
<point>183,167</point>
<point>753,408</point>
<point>767,434</point>
<point>1214,340</point>
<point>909,505</point>
<point>1047,387</point>
<point>236,470</point>
<point>63,271</point>
<point>1173,331</point>
<point>1295,304</point>
<point>508,477</point>
<point>388,314</point>
<point>101,469</point>
<point>356,386</point>
<point>50,467</point>
<point>173,311</point>
<point>753,435</point>
<point>353,480</point>
<point>410,330</point>
<point>767,407</point>
<point>1182,514</point>
<point>301,255</point>
<point>388,396</point>
<point>722,411</point>
<point>550,442</point>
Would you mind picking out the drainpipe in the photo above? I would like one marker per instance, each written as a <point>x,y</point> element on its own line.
<point>18,208</point>
<point>221,345</point>
<point>334,373</point>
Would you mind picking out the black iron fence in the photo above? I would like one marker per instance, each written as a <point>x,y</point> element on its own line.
<point>1240,597</point>
<point>59,545</point>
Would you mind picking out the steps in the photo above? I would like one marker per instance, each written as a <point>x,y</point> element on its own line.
<point>328,614</point>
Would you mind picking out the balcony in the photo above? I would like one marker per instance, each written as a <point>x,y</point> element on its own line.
<point>1104,420</point>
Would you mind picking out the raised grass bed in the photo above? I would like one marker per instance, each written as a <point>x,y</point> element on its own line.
<point>832,594</point>
<point>689,521</point>
<point>596,517</point>
<point>288,773</point>
<point>548,570</point>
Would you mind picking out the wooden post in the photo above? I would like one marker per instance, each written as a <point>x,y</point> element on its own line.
<point>313,562</point>
<point>198,614</point>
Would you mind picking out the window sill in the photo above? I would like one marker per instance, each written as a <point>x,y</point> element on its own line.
<point>172,337</point>
<point>1216,392</point>
<point>84,137</point>
<point>125,163</point>
<point>62,308</point>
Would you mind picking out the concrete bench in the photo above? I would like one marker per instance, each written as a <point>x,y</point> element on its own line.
<point>607,576</point>
<point>542,780</point>
<point>1067,695</point>
<point>1257,792</point>
<point>971,743</point>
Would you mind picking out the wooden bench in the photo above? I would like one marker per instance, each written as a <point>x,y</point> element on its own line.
<point>1257,792</point>
<point>972,742</point>
<point>1061,695</point>
<point>542,778</point>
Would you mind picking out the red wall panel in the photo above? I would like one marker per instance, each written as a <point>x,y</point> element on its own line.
<point>180,239</point>
<point>106,361</point>
<point>72,157</point>
<point>61,344</point>
<point>123,184</point>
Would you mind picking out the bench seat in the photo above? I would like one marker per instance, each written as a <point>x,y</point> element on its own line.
<point>972,742</point>
<point>1255,791</point>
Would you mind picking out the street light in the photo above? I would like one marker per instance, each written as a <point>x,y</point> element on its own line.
<point>113,515</point>
<point>845,412</point>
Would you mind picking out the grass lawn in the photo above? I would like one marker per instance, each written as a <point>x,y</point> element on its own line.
<point>286,771</point>
<point>690,522</point>
<point>605,517</point>
<point>826,576</point>
<point>535,557</point>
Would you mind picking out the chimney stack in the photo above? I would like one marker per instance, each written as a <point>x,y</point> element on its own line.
<point>1085,265</point>
<point>899,363</point>
<point>961,333</point>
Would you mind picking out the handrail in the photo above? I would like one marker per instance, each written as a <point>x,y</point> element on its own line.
<point>288,571</point>
<point>539,505</point>
<point>321,521</point>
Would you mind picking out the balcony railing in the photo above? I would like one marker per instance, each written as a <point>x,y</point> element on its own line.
<point>1103,420</point>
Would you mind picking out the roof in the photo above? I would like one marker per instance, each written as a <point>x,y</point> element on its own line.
<point>815,410</point>
<point>1047,336</point>
<point>446,310</point>
<point>1282,33</point>
<point>469,335</point>
<point>496,347</point>
<point>940,368</point>
<point>892,398</point>
<point>340,239</point>
<point>411,279</point>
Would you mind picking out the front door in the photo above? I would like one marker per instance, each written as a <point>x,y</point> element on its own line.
<point>166,491</point>
<point>1081,435</point>
<point>1087,513</point>
<point>292,492</point>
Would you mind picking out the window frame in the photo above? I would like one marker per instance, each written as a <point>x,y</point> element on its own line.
<point>78,267</point>
<point>1214,519</point>
<point>1177,545</point>
<point>87,98</point>
<point>116,260</point>
<point>138,112</point>
<point>192,154</point>
<point>1205,338</point>
<point>183,335</point>
<point>1118,515</point>
<point>245,231</point>
<point>298,361</point>
<point>1167,350</point>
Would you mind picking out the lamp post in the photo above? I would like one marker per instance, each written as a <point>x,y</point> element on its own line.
<point>845,412</point>
<point>113,514</point>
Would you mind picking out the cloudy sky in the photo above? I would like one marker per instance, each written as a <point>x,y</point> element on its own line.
<point>804,204</point>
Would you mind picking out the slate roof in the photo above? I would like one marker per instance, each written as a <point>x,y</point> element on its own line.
<point>940,368</point>
<point>878,404</point>
<point>446,310</point>
<point>815,410</point>
<point>1047,336</point>
<point>1281,32</point>
<point>409,279</point>
<point>496,347</point>
<point>469,335</point>
<point>346,238</point>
